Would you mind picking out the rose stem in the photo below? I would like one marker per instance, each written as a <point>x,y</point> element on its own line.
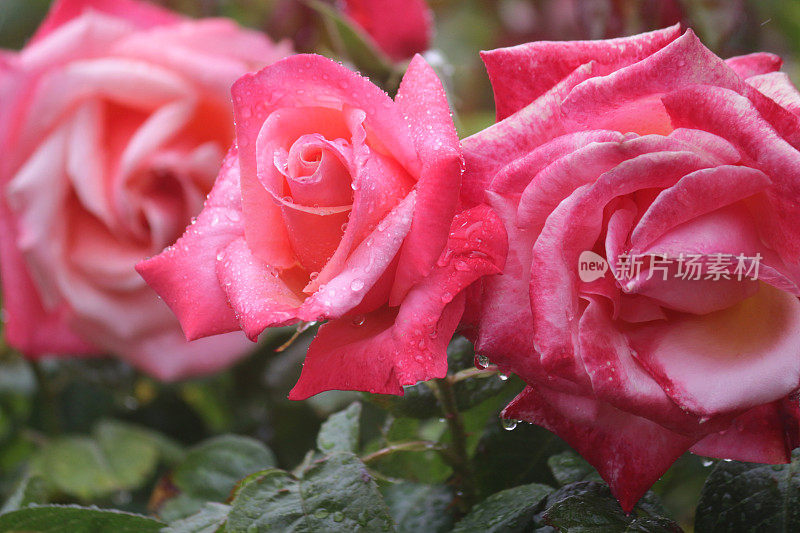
<point>456,455</point>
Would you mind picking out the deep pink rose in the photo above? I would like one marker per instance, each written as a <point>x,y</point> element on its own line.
<point>114,120</point>
<point>645,147</point>
<point>401,28</point>
<point>341,205</point>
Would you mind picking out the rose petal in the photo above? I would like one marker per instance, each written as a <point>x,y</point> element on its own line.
<point>521,74</point>
<point>750,349</point>
<point>143,14</point>
<point>258,295</point>
<point>754,64</point>
<point>423,102</point>
<point>365,265</point>
<point>778,87</point>
<point>757,436</point>
<point>184,275</point>
<point>696,194</point>
<point>488,151</point>
<point>733,117</point>
<point>628,451</point>
<point>386,349</point>
<point>627,100</point>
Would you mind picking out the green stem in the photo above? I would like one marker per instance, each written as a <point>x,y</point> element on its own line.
<point>411,446</point>
<point>457,456</point>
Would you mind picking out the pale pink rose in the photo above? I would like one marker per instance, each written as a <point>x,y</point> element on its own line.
<point>114,120</point>
<point>340,204</point>
<point>635,147</point>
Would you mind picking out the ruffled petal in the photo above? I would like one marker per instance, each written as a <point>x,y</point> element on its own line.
<point>520,74</point>
<point>388,349</point>
<point>628,99</point>
<point>696,194</point>
<point>728,360</point>
<point>735,118</point>
<point>365,265</point>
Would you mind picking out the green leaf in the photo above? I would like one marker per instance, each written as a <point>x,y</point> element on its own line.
<point>116,457</point>
<point>211,469</point>
<point>333,494</point>
<point>511,510</point>
<point>589,507</point>
<point>424,467</point>
<point>210,519</point>
<point>751,497</point>
<point>58,518</point>
<point>29,490</point>
<point>505,459</point>
<point>569,467</point>
<point>341,431</point>
<point>418,507</point>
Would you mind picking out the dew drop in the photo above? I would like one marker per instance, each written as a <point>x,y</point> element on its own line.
<point>503,377</point>
<point>313,276</point>
<point>509,424</point>
<point>359,320</point>
<point>707,462</point>
<point>481,361</point>
<point>356,285</point>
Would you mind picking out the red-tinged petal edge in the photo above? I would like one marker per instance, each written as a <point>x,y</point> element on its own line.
<point>628,451</point>
<point>764,434</point>
<point>521,74</point>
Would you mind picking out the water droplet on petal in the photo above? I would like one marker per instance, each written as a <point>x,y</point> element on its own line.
<point>313,276</point>
<point>359,320</point>
<point>509,424</point>
<point>356,285</point>
<point>481,361</point>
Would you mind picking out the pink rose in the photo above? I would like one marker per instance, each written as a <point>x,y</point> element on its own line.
<point>646,147</point>
<point>401,28</point>
<point>340,204</point>
<point>114,120</point>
